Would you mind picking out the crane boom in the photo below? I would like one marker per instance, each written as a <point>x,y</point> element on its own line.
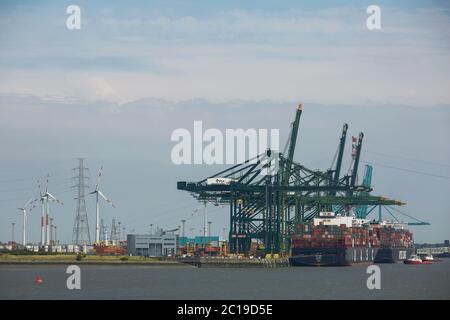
<point>293,141</point>
<point>337,171</point>
<point>357,156</point>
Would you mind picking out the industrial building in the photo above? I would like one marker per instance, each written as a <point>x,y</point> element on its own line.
<point>152,245</point>
<point>199,241</point>
<point>202,246</point>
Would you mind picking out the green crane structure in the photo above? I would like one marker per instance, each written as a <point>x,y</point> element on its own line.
<point>337,171</point>
<point>292,143</point>
<point>265,206</point>
<point>362,211</point>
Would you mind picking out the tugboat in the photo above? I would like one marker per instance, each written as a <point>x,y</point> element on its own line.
<point>414,259</point>
<point>428,259</point>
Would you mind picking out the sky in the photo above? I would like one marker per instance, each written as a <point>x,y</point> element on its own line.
<point>114,90</point>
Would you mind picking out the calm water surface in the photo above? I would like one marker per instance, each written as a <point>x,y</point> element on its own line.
<point>398,281</point>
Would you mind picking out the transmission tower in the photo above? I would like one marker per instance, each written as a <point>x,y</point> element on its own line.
<point>114,232</point>
<point>102,230</point>
<point>81,235</point>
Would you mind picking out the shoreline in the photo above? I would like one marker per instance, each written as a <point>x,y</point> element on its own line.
<point>106,263</point>
<point>9,259</point>
<point>139,261</point>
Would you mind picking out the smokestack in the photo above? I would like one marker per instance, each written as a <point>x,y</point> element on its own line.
<point>12,232</point>
<point>209,230</point>
<point>43,224</point>
<point>51,231</point>
<point>47,225</point>
<point>182,228</point>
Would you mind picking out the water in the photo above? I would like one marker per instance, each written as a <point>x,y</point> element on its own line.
<point>398,281</point>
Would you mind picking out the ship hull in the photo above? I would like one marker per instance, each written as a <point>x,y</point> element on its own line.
<point>332,256</point>
<point>392,255</point>
<point>412,262</point>
<point>345,256</point>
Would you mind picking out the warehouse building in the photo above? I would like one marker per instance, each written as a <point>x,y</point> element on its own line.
<point>198,241</point>
<point>148,245</point>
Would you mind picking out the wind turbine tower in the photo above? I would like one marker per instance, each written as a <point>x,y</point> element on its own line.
<point>12,231</point>
<point>205,220</point>
<point>24,222</point>
<point>45,199</point>
<point>183,224</point>
<point>98,193</point>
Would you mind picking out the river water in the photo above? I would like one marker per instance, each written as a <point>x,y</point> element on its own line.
<point>398,281</point>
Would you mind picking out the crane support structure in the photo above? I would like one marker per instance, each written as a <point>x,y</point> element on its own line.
<point>356,162</point>
<point>361,211</point>
<point>340,156</point>
<point>292,143</point>
<point>266,207</point>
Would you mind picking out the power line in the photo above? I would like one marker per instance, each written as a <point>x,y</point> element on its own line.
<point>405,214</point>
<point>12,199</point>
<point>409,170</point>
<point>33,188</point>
<point>410,159</point>
<point>166,214</point>
<point>35,178</point>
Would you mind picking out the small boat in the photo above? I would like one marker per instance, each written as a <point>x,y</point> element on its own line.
<point>428,257</point>
<point>414,259</point>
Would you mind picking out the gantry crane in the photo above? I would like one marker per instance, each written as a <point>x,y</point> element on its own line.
<point>265,206</point>
<point>363,211</point>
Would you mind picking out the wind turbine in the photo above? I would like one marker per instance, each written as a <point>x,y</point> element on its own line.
<point>42,200</point>
<point>97,193</point>
<point>24,223</point>
<point>45,201</point>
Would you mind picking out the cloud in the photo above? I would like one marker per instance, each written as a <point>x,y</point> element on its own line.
<point>324,55</point>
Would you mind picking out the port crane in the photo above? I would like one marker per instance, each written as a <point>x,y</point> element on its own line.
<point>363,212</point>
<point>265,205</point>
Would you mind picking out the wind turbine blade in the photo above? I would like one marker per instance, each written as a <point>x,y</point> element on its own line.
<point>100,171</point>
<point>102,195</point>
<point>50,196</point>
<point>106,199</point>
<point>28,202</point>
<point>35,200</point>
<point>57,201</point>
<point>40,188</point>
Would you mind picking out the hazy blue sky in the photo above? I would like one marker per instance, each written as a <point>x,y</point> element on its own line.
<point>113,92</point>
<point>224,50</point>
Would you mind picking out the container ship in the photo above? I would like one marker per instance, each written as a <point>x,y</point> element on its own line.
<point>331,240</point>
